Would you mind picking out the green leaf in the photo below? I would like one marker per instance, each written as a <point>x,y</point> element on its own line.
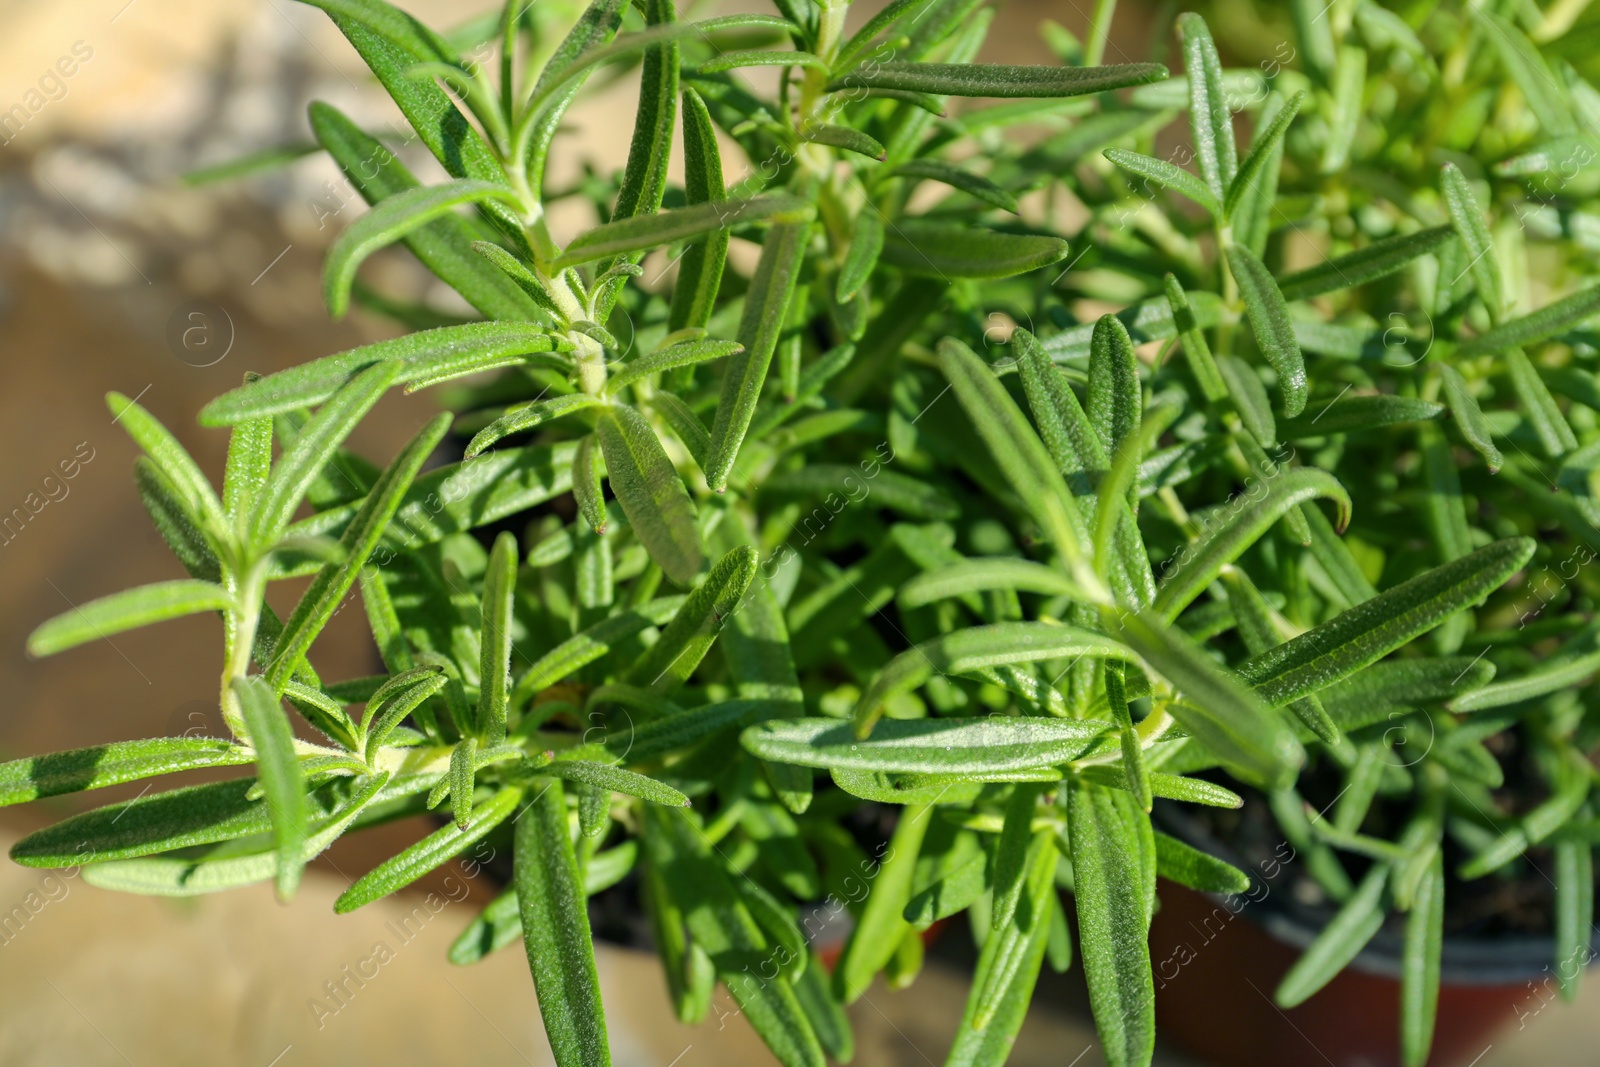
<point>766,310</point>
<point>520,274</point>
<point>1169,786</point>
<point>955,745</point>
<point>823,1011</point>
<point>112,764</point>
<point>1252,205</point>
<point>391,219</point>
<point>1112,926</point>
<point>889,16</point>
<point>1569,668</point>
<point>1574,907</point>
<point>866,245</point>
<point>282,783</point>
<point>333,581</point>
<point>1340,941</point>
<point>389,706</point>
<point>949,250</point>
<point>194,493</point>
<point>1541,87</point>
<point>1018,937</point>
<point>761,57</point>
<point>1538,406</point>
<point>974,185</point>
<point>180,876</point>
<point>1028,467</point>
<point>494,663</point>
<point>643,232</point>
<point>1238,526</point>
<point>1269,320</point>
<point>1548,321</point>
<point>694,295</point>
<point>530,416</point>
<point>685,425</point>
<point>1469,416</point>
<point>313,448</point>
<point>147,824</point>
<point>982,575</point>
<point>678,732</point>
<point>1419,964</point>
<point>686,639</point>
<point>881,923</point>
<point>1379,259</point>
<point>1264,153</point>
<point>587,472</point>
<point>445,245</point>
<point>846,138</point>
<point>424,354</point>
<point>616,780</point>
<point>437,848</point>
<point>955,892</point>
<point>500,922</point>
<point>1195,869</point>
<point>683,354</point>
<point>651,492</point>
<point>722,926</point>
<point>171,519</point>
<point>997,80</point>
<point>972,650</point>
<point>127,610</point>
<point>644,179</point>
<point>1355,413</point>
<point>1216,707</point>
<point>1168,176</point>
<point>555,926</point>
<point>591,644</point>
<point>1467,218</point>
<point>1412,681</point>
<point>1210,118</point>
<point>1374,628</point>
<point>1011,853</point>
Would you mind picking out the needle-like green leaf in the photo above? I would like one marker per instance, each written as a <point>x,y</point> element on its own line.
<point>199,501</point>
<point>1210,119</point>
<point>589,645</point>
<point>957,745</point>
<point>1168,176</point>
<point>686,639</point>
<point>127,610</point>
<point>282,783</point>
<point>555,930</point>
<point>1264,153</point>
<point>1215,706</point>
<point>437,848</point>
<point>651,492</point>
<point>494,664</point>
<point>1112,926</point>
<point>529,417</point>
<point>997,80</point>
<point>121,761</point>
<point>974,185</point>
<point>683,354</point>
<point>1374,628</point>
<point>333,581</point>
<point>1467,218</point>
<point>390,220</point>
<point>616,780</point>
<point>1269,320</point>
<point>643,232</point>
<point>700,270</point>
<point>1195,869</point>
<point>1379,259</point>
<point>1469,417</point>
<point>1419,964</point>
<point>1339,943</point>
<point>972,650</point>
<point>947,250</point>
<point>766,311</point>
<point>147,824</point>
<point>1238,526</point>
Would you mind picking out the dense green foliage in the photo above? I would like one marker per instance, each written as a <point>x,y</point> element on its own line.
<point>776,543</point>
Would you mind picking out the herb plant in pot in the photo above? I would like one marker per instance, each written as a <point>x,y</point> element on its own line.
<point>791,554</point>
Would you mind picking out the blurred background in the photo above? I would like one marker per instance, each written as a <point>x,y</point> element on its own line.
<point>116,275</point>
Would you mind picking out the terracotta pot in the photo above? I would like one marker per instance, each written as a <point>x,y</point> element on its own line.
<point>1217,964</point>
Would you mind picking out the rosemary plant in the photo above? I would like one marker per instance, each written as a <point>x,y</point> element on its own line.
<point>1011,583</point>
